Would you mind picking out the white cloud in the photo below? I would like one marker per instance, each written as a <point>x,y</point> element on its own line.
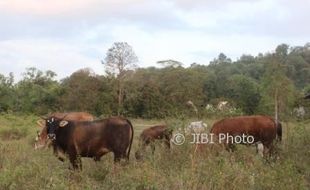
<point>64,36</point>
<point>56,7</point>
<point>64,59</point>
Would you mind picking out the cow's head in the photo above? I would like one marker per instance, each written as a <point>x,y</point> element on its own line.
<point>41,139</point>
<point>53,124</point>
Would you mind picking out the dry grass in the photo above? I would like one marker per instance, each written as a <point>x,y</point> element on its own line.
<point>21,167</point>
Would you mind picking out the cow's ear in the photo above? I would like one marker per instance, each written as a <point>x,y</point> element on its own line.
<point>63,123</point>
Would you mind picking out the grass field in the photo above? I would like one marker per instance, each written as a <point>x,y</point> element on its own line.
<point>21,167</point>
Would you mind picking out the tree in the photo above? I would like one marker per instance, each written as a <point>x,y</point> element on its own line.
<point>7,97</point>
<point>170,63</point>
<point>282,50</point>
<point>84,91</point>
<point>245,93</point>
<point>306,90</point>
<point>221,59</point>
<point>37,92</point>
<point>150,102</point>
<point>277,88</point>
<point>119,59</point>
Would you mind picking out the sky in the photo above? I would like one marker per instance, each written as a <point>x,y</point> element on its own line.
<point>67,35</point>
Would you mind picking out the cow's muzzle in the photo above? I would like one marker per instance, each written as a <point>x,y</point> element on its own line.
<point>51,136</point>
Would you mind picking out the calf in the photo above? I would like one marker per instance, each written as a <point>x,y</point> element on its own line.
<point>150,135</point>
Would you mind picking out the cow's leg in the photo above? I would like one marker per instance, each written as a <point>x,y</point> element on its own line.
<point>268,148</point>
<point>124,155</point>
<point>230,147</point>
<point>74,160</point>
<point>271,149</point>
<point>59,155</point>
<point>61,158</point>
<point>97,159</point>
<point>79,162</point>
<point>100,153</point>
<point>167,142</point>
<point>140,152</point>
<point>260,149</point>
<point>152,145</point>
<point>117,156</point>
<point>56,153</point>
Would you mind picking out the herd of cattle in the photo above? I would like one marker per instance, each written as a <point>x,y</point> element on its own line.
<point>79,134</point>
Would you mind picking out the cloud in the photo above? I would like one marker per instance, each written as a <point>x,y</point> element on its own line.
<point>64,36</point>
<point>259,18</point>
<point>64,59</point>
<point>60,7</point>
<point>67,19</point>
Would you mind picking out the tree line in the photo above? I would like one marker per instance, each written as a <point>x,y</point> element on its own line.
<point>250,84</point>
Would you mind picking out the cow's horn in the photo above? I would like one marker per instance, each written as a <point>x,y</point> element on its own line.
<point>40,123</point>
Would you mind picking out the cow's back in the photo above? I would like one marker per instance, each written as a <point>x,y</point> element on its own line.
<point>154,132</point>
<point>74,116</point>
<point>262,128</point>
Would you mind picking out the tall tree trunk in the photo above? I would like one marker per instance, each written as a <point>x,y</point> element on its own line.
<point>120,97</point>
<point>276,106</point>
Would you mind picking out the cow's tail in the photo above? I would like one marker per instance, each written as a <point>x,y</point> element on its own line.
<point>279,131</point>
<point>131,127</point>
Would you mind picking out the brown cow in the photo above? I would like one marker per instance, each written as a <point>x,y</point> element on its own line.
<point>262,128</point>
<point>42,141</point>
<point>150,135</point>
<point>91,138</point>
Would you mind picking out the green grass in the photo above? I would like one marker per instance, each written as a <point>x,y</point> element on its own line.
<point>21,167</point>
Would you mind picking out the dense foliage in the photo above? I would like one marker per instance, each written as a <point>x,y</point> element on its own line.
<point>248,84</point>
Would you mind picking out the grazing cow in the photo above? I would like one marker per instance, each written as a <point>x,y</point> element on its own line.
<point>91,138</point>
<point>223,105</point>
<point>210,107</point>
<point>262,128</point>
<point>150,135</point>
<point>196,127</point>
<point>299,112</point>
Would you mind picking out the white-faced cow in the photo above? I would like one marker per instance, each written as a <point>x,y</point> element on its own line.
<point>299,112</point>
<point>42,141</point>
<point>263,129</point>
<point>91,138</point>
<point>222,105</point>
<point>196,127</point>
